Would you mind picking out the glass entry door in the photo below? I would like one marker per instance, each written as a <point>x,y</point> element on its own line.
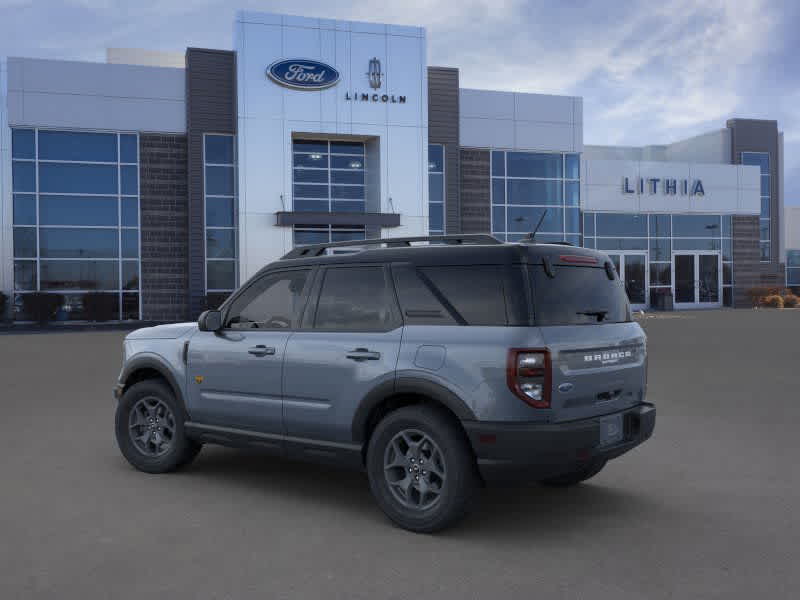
<point>632,269</point>
<point>696,279</point>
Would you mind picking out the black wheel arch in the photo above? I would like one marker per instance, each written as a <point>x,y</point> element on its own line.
<point>148,367</point>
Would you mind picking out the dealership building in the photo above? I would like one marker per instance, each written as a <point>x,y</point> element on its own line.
<point>167,180</point>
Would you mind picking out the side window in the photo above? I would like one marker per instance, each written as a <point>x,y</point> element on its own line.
<point>272,302</point>
<point>354,298</point>
<point>419,305</point>
<point>476,292</point>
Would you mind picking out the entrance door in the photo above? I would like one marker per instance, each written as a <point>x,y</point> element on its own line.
<point>696,279</point>
<point>632,270</point>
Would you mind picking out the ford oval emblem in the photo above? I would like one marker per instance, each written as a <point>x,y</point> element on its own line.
<point>565,387</point>
<point>303,74</point>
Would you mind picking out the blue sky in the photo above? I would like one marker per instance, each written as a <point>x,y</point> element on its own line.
<point>650,72</point>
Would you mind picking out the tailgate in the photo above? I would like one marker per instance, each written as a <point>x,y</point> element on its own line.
<point>597,369</point>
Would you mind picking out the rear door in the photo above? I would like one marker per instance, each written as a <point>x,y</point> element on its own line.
<point>348,345</point>
<point>597,352</point>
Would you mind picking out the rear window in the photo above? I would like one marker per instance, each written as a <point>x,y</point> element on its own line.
<point>578,295</point>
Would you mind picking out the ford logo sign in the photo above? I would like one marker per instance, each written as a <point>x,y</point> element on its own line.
<point>303,74</point>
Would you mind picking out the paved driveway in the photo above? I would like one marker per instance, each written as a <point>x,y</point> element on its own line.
<point>707,509</point>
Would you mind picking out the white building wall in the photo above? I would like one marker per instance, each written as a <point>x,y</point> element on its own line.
<point>81,95</point>
<point>269,115</point>
<point>791,228</point>
<point>713,147</point>
<point>146,58</point>
<point>519,121</point>
<point>729,189</point>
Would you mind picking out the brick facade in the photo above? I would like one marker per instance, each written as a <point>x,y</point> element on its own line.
<point>476,206</point>
<point>165,227</point>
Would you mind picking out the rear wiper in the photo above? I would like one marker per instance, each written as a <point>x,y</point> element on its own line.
<point>600,314</point>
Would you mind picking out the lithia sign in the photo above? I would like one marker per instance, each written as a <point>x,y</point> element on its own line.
<point>306,74</point>
<point>667,186</point>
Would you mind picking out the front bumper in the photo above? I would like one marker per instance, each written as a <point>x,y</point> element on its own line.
<point>531,451</point>
<point>118,389</point>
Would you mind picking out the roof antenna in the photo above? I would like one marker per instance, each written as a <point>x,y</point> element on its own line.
<point>532,235</point>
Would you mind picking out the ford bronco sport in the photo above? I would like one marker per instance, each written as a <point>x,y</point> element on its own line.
<point>435,364</point>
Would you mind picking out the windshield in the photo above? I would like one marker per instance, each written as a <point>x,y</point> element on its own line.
<point>578,295</point>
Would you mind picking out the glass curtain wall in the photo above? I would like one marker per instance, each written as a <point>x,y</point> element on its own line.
<point>793,268</point>
<point>436,189</point>
<point>328,176</point>
<point>531,186</point>
<point>76,219</point>
<point>660,235</point>
<point>761,160</point>
<point>219,158</point>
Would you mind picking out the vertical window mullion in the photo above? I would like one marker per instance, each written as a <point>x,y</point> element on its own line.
<point>36,187</point>
<point>119,230</point>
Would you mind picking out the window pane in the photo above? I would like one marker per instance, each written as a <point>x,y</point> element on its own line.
<point>24,209</point>
<point>572,190</point>
<point>130,274</point>
<point>221,274</point>
<point>524,219</point>
<point>498,218</point>
<point>793,258</point>
<point>77,210</point>
<point>23,176</point>
<point>129,180</point>
<point>727,273</point>
<point>498,191</point>
<point>588,224</point>
<point>418,304</point>
<point>219,212</point>
<point>347,148</point>
<point>79,275</point>
<point>74,145</point>
<point>436,217</point>
<point>128,149</point>
<point>25,242</point>
<point>572,220</point>
<point>130,243</point>
<point>351,192</point>
<point>765,251</point>
<point>348,206</point>
<point>302,238</point>
<point>695,244</point>
<point>220,243</point>
<point>77,179</point>
<point>23,144</point>
<point>311,175</point>
<point>435,158</point>
<point>765,185</point>
<point>727,297</point>
<point>573,166</point>
<point>589,242</point>
<point>763,229</point>
<point>621,244</point>
<point>436,187</point>
<point>765,208</point>
<point>623,225</point>
<point>660,249</point>
<point>727,226</point>
<point>318,161</point>
<point>529,164</point>
<point>130,212</point>
<point>130,307</point>
<point>310,146</point>
<point>219,149</point>
<point>759,159</point>
<point>352,177</point>
<point>272,302</point>
<point>354,298</point>
<point>344,162</point>
<point>793,277</point>
<point>660,226</point>
<point>344,236</point>
<point>310,191</point>
<point>521,191</point>
<point>25,275</point>
<point>661,274</point>
<point>78,243</point>
<point>498,163</point>
<point>481,302</point>
<point>311,205</point>
<point>219,181</point>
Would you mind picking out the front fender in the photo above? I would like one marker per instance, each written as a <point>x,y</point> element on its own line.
<point>155,362</point>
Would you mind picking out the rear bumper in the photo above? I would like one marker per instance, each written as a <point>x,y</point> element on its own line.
<point>531,451</point>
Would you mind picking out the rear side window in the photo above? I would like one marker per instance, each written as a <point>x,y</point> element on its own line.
<point>578,296</point>
<point>418,303</point>
<point>474,292</point>
<point>355,299</point>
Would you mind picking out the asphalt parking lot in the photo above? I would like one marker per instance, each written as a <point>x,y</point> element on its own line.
<point>707,509</point>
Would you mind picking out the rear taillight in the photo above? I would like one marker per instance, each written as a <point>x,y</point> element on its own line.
<point>529,376</point>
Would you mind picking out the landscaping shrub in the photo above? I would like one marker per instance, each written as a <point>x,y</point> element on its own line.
<point>98,306</point>
<point>790,301</point>
<point>41,306</point>
<point>758,295</point>
<point>773,301</point>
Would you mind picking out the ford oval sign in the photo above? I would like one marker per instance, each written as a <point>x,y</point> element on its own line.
<point>303,74</point>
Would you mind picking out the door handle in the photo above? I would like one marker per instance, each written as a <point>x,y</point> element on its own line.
<point>363,354</point>
<point>261,350</point>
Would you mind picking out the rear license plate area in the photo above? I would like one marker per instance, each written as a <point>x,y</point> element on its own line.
<point>611,430</point>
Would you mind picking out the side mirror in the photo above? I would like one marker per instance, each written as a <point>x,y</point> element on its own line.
<point>210,320</point>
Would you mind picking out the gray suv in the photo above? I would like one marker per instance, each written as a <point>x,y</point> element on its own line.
<point>435,364</point>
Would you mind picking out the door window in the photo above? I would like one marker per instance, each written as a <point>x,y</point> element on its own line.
<point>355,299</point>
<point>272,302</point>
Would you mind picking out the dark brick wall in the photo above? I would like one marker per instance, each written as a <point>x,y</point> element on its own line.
<point>164,224</point>
<point>476,216</point>
<point>443,128</point>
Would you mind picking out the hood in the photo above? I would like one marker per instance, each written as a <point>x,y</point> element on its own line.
<point>162,332</point>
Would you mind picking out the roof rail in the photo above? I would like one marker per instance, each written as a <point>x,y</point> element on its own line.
<point>318,249</point>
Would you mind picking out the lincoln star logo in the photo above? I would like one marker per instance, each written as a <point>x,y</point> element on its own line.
<point>607,358</point>
<point>374,74</point>
<point>302,74</point>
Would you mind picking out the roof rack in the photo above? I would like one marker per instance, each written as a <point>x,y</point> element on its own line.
<point>318,249</point>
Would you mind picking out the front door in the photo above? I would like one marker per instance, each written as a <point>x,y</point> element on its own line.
<point>632,270</point>
<point>696,279</point>
<point>235,375</point>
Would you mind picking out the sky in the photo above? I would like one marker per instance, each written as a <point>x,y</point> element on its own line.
<point>649,72</point>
